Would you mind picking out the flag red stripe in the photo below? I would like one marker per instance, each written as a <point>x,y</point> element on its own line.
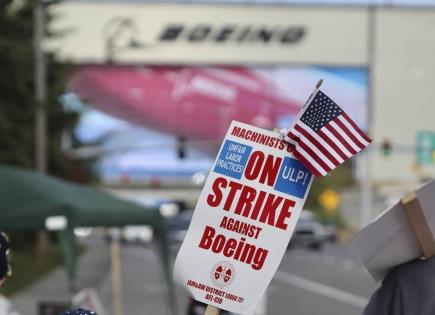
<point>308,151</point>
<point>349,133</point>
<point>314,156</point>
<point>361,133</point>
<point>317,144</point>
<point>307,163</point>
<point>293,136</point>
<point>341,139</point>
<point>332,145</point>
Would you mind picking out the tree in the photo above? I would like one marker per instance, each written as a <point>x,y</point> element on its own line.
<point>17,104</point>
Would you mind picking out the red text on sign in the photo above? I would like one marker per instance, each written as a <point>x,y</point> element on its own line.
<point>264,207</point>
<point>232,248</point>
<point>264,168</point>
<point>240,227</point>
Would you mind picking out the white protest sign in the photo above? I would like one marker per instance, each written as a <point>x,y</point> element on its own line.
<point>243,220</point>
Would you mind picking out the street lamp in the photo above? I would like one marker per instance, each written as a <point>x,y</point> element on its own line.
<point>40,78</point>
<point>40,89</point>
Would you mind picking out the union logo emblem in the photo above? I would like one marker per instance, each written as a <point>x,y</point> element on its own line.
<point>222,274</point>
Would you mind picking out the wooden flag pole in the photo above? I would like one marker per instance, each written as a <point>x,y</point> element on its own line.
<point>309,100</point>
<point>319,84</point>
<point>212,310</point>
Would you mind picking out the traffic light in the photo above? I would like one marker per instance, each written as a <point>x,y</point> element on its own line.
<point>181,148</point>
<point>386,148</point>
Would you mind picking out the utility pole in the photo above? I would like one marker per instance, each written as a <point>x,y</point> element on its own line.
<point>40,111</point>
<point>40,90</point>
<point>366,178</point>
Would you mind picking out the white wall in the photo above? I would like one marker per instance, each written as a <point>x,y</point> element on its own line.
<point>404,88</point>
<point>333,35</point>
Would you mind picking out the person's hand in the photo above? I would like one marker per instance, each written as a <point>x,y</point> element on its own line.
<point>2,281</point>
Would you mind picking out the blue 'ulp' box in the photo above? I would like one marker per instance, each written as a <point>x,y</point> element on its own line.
<point>293,178</point>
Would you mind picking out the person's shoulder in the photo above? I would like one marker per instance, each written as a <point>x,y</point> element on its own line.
<point>4,241</point>
<point>418,269</point>
<point>407,287</point>
<point>417,266</point>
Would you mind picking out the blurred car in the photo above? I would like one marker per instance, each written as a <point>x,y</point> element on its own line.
<point>177,226</point>
<point>82,232</point>
<point>309,232</point>
<point>168,207</point>
<point>112,234</point>
<point>130,234</point>
<point>331,232</point>
<point>137,234</point>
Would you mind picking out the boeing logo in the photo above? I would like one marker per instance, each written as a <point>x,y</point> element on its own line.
<point>232,33</point>
<point>123,33</point>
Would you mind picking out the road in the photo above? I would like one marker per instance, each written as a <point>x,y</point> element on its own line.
<point>330,281</point>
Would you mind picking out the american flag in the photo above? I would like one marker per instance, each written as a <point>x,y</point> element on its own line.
<point>325,136</point>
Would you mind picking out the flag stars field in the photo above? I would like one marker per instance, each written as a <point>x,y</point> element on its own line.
<point>325,136</point>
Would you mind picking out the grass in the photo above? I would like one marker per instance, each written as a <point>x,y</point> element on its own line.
<point>25,271</point>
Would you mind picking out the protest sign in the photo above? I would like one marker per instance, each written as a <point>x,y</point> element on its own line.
<point>399,235</point>
<point>243,220</point>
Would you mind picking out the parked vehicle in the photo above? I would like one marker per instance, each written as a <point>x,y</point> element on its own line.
<point>331,232</point>
<point>137,234</point>
<point>140,234</point>
<point>177,226</point>
<point>309,232</point>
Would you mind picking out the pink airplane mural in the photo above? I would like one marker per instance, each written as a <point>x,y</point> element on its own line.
<point>196,103</point>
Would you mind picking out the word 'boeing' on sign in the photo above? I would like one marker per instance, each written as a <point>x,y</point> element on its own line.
<point>232,33</point>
